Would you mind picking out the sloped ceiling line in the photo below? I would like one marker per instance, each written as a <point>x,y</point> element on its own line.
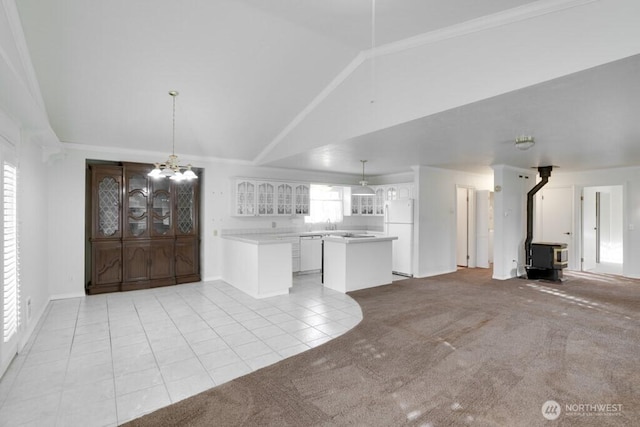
<point>510,16</point>
<point>20,43</point>
<point>27,103</point>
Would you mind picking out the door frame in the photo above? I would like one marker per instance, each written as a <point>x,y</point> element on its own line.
<point>471,224</point>
<point>623,207</point>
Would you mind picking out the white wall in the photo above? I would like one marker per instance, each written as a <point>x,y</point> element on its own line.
<point>66,222</point>
<point>510,207</point>
<point>24,125</point>
<point>629,179</point>
<point>31,224</point>
<point>32,228</point>
<point>435,230</point>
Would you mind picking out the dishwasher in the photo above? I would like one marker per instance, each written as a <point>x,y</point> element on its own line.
<point>310,253</point>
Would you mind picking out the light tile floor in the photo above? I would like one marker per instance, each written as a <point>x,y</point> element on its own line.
<point>105,359</point>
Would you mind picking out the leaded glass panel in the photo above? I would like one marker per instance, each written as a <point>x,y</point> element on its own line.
<point>185,205</point>
<point>108,206</point>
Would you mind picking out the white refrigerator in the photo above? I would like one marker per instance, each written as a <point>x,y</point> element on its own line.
<point>398,221</point>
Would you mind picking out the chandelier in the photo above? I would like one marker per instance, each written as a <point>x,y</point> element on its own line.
<point>171,167</point>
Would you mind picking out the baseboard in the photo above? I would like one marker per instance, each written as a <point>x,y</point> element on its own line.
<point>31,326</point>
<point>431,274</point>
<point>502,277</point>
<point>67,296</point>
<point>212,279</point>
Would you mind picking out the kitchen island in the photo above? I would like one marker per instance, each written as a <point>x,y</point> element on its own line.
<point>259,266</point>
<point>357,261</point>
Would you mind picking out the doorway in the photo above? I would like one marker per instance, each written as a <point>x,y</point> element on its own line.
<point>602,229</point>
<point>465,226</point>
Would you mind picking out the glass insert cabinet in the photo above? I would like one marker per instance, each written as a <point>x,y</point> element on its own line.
<point>143,231</point>
<point>270,198</point>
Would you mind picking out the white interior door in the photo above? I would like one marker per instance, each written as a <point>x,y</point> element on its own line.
<point>589,228</point>
<point>557,216</point>
<point>462,226</point>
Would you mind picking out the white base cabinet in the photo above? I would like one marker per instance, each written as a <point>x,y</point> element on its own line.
<point>310,253</point>
<point>259,270</point>
<point>349,265</point>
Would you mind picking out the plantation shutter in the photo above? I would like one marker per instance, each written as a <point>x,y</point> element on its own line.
<point>10,252</point>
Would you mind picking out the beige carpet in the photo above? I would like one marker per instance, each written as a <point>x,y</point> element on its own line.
<point>453,350</point>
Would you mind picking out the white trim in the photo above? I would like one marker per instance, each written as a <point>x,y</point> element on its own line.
<point>15,26</point>
<point>32,325</point>
<point>505,17</point>
<point>67,296</point>
<point>436,273</point>
<point>517,14</point>
<point>158,154</point>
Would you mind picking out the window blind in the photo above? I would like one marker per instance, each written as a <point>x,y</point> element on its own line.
<point>10,252</point>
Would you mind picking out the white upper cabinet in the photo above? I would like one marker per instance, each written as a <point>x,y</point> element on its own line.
<point>266,198</point>
<point>270,198</point>
<point>302,202</point>
<point>284,199</point>
<point>245,198</point>
<point>374,205</point>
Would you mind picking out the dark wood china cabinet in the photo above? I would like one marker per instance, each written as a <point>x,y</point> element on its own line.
<point>144,231</point>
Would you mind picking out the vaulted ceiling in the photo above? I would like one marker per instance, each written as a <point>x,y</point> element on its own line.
<point>296,84</point>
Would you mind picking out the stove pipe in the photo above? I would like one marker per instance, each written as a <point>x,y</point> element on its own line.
<point>545,173</point>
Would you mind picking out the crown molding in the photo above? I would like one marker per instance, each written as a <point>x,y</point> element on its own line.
<point>157,155</point>
<point>30,80</point>
<point>506,17</point>
<point>517,14</point>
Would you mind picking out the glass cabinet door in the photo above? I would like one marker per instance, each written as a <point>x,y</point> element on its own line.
<point>137,215</point>
<point>355,205</point>
<point>265,198</point>
<point>109,207</point>
<point>285,199</point>
<point>366,205</point>
<point>161,208</point>
<point>245,198</point>
<point>302,199</point>
<point>379,201</point>
<point>185,207</point>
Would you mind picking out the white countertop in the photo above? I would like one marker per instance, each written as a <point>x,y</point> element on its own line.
<point>280,238</point>
<point>359,238</point>
<point>257,239</point>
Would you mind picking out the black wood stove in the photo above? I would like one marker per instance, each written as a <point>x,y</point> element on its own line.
<point>547,261</point>
<point>544,260</point>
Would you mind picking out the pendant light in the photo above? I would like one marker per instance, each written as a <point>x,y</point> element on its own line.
<point>363,189</point>
<point>171,167</point>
